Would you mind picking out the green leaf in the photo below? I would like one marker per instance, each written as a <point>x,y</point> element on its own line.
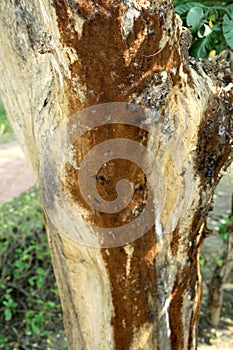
<point>35,329</point>
<point>7,314</point>
<point>216,27</point>
<point>41,271</point>
<point>212,14</point>
<point>31,280</point>
<point>203,31</point>
<point>220,9</point>
<point>228,30</point>
<point>4,340</point>
<point>29,315</point>
<point>219,261</point>
<point>195,18</point>
<point>229,10</point>
<point>202,47</point>
<point>182,9</point>
<point>223,232</point>
<point>225,236</point>
<point>229,219</point>
<point>50,305</point>
<point>202,261</point>
<point>222,228</point>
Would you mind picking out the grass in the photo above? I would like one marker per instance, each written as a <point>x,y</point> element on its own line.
<point>30,311</point>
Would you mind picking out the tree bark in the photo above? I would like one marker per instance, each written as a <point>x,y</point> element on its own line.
<point>60,57</point>
<point>218,280</point>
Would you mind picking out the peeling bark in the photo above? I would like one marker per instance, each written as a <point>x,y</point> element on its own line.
<point>59,57</point>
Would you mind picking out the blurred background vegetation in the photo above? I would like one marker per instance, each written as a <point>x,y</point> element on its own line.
<point>30,310</point>
<point>6,132</point>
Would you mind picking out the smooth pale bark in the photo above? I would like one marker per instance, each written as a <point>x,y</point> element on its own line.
<point>60,56</point>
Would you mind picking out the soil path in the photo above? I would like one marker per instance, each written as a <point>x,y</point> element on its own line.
<point>15,174</point>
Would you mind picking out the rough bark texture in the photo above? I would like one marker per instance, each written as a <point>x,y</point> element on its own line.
<point>60,56</point>
<point>218,281</point>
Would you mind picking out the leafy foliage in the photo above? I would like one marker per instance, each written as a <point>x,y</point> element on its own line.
<point>29,302</point>
<point>225,228</point>
<point>211,25</point>
<point>5,126</point>
<point>224,232</point>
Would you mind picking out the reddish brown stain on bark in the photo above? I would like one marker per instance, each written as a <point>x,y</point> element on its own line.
<point>131,294</point>
<point>175,316</point>
<point>132,307</point>
<point>194,258</point>
<point>101,50</point>
<point>108,175</point>
<point>102,66</point>
<point>175,241</point>
<point>185,282</point>
<point>188,280</point>
<point>195,317</point>
<point>193,274</point>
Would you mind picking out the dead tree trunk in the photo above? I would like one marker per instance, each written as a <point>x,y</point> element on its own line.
<point>60,57</point>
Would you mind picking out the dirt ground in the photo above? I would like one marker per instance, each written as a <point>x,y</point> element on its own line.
<point>16,177</point>
<point>15,174</point>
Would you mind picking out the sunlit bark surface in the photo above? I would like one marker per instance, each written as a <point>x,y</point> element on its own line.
<point>61,56</point>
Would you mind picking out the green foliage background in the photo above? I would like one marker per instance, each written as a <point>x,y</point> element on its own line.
<point>211,24</point>
<point>30,311</point>
<point>6,133</point>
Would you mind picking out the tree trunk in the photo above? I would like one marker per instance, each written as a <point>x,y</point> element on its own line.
<point>218,280</point>
<point>62,57</point>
